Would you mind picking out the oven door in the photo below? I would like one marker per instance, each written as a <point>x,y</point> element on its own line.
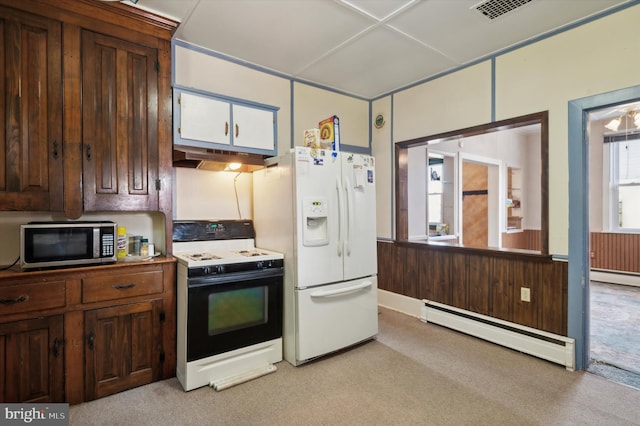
<point>231,311</point>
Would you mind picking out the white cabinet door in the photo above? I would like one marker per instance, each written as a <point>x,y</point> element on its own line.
<point>204,119</point>
<point>333,317</point>
<point>253,128</point>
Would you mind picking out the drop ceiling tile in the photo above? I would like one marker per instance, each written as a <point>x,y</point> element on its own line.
<point>376,63</point>
<point>379,8</point>
<point>299,38</point>
<point>278,34</point>
<point>464,34</point>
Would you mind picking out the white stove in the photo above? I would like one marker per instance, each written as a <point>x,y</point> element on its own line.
<point>229,304</point>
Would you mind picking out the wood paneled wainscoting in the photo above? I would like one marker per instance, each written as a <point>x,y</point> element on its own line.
<point>484,281</point>
<point>527,239</point>
<point>614,251</point>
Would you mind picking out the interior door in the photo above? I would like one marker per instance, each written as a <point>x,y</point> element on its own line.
<point>475,204</point>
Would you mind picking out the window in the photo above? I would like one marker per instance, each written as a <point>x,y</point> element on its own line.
<point>624,183</point>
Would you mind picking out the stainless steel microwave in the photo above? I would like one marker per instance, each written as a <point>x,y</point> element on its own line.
<point>67,243</point>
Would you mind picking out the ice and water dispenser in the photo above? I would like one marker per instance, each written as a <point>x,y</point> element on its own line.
<point>315,211</point>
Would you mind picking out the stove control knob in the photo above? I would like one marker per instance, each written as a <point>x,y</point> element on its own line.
<point>206,270</point>
<point>259,265</point>
<point>220,269</point>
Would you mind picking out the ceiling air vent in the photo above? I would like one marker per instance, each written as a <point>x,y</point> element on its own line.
<point>493,9</point>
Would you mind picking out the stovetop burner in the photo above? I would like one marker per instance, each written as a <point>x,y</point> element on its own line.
<point>203,256</point>
<point>251,253</point>
<point>198,244</point>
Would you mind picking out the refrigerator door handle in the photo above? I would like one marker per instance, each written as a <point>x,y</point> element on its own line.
<point>350,289</point>
<point>340,207</point>
<point>350,218</point>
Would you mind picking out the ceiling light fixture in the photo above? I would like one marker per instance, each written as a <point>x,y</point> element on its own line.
<point>614,124</point>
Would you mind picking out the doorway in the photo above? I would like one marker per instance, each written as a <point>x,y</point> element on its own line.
<point>614,162</point>
<point>579,292</point>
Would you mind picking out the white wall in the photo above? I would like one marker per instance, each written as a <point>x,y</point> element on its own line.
<point>312,105</point>
<point>584,61</point>
<point>383,151</point>
<point>201,194</point>
<point>587,60</point>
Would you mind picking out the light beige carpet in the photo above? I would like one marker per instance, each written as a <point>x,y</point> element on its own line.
<point>413,374</point>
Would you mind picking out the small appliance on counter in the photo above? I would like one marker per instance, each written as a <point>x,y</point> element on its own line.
<point>67,243</point>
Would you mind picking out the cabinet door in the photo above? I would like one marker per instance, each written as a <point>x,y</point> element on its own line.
<point>120,124</point>
<point>31,360</point>
<point>123,347</point>
<point>253,128</point>
<point>30,113</point>
<point>204,119</point>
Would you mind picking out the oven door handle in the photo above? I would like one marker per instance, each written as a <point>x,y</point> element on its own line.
<point>195,282</point>
<point>337,292</point>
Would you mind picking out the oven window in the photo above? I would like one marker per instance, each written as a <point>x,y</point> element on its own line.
<point>237,309</point>
<point>232,311</point>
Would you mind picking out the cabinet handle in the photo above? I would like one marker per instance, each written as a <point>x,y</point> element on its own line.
<point>124,286</point>
<point>16,300</point>
<point>91,339</point>
<point>237,130</point>
<point>226,128</point>
<point>88,152</point>
<point>55,150</point>
<point>56,347</point>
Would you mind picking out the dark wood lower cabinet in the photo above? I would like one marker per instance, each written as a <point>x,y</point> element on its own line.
<point>77,334</point>
<point>481,281</point>
<point>32,360</point>
<point>123,347</point>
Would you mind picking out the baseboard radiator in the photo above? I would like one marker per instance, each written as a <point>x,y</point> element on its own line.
<point>548,346</point>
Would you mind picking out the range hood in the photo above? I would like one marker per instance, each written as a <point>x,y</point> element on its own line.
<point>216,160</point>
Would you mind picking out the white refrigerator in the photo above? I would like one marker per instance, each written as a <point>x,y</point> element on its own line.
<point>317,207</point>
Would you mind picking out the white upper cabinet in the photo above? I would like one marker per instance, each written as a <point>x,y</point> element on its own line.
<point>205,120</point>
<point>253,128</point>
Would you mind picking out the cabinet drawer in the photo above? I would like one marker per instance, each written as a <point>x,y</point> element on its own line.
<point>31,297</point>
<point>97,289</point>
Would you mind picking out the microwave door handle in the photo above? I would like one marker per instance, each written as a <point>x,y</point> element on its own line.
<point>96,243</point>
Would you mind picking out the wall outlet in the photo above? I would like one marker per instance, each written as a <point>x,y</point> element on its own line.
<point>525,294</point>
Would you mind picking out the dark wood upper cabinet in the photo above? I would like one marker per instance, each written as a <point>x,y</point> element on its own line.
<point>120,124</point>
<point>31,167</point>
<point>102,141</point>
